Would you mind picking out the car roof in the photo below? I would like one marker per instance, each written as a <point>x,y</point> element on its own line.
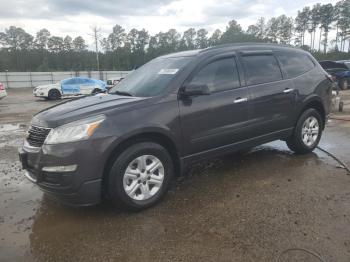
<point>328,64</point>
<point>234,47</point>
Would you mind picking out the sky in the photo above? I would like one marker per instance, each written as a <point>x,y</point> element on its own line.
<point>77,17</point>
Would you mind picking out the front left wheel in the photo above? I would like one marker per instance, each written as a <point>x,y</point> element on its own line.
<point>54,94</point>
<point>140,176</point>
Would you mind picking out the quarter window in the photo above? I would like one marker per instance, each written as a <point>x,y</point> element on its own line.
<point>219,75</point>
<point>261,69</point>
<point>294,63</point>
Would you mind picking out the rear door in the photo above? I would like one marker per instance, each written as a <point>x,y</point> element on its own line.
<point>218,119</point>
<point>272,97</point>
<point>86,86</point>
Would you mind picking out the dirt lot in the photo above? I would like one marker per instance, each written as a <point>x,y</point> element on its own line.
<point>241,207</point>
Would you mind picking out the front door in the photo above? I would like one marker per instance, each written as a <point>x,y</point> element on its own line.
<point>70,86</point>
<point>220,118</point>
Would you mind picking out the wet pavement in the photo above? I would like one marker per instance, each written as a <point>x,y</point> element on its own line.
<point>250,206</point>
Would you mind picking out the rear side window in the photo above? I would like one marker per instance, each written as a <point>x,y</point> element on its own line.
<point>72,81</point>
<point>294,63</point>
<point>261,69</point>
<point>219,75</point>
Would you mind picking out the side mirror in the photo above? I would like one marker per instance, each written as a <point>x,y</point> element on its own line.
<point>195,90</point>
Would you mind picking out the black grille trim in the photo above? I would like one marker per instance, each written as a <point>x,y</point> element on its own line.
<point>37,135</point>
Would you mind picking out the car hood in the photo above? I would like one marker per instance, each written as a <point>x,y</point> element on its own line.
<point>345,73</point>
<point>84,107</point>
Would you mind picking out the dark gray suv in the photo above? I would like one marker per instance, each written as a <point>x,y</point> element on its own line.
<point>176,109</point>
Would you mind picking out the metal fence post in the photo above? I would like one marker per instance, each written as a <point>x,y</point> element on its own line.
<point>31,80</point>
<point>7,79</point>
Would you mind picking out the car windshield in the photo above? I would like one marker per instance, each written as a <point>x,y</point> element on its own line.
<point>152,78</point>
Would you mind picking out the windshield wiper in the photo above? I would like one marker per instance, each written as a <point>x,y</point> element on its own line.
<point>122,93</point>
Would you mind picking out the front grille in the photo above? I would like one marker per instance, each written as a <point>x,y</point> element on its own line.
<point>37,135</point>
<point>109,82</point>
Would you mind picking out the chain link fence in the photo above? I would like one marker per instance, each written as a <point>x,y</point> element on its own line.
<point>34,79</point>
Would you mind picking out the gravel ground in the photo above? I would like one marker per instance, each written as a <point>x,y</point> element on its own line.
<point>242,207</point>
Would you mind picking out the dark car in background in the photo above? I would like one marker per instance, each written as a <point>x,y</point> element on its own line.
<point>340,70</point>
<point>176,109</point>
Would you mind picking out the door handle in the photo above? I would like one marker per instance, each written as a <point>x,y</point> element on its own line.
<point>288,90</point>
<point>240,100</point>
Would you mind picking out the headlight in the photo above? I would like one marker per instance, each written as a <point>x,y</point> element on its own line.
<point>75,131</point>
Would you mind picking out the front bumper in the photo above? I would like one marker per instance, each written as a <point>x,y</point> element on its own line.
<point>39,93</point>
<point>80,187</point>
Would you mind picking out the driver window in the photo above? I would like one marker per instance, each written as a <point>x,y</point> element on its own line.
<point>219,75</point>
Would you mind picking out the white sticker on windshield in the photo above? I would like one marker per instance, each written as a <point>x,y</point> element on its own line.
<point>168,71</point>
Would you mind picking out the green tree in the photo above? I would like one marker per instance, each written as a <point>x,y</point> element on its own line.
<point>116,40</point>
<point>79,44</point>
<point>272,30</point>
<point>302,22</point>
<point>233,33</point>
<point>55,44</point>
<point>202,39</point>
<point>215,38</point>
<point>314,23</point>
<point>326,20</point>
<point>188,39</point>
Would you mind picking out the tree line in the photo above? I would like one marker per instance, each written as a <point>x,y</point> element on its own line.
<point>122,50</point>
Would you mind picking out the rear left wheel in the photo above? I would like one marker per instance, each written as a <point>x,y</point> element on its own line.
<point>140,176</point>
<point>307,132</point>
<point>96,91</point>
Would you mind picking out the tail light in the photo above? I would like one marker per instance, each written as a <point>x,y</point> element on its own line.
<point>2,87</point>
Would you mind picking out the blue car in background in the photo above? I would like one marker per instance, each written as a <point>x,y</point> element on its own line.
<point>340,71</point>
<point>70,87</point>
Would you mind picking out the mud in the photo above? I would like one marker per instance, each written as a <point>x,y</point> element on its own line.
<point>250,206</point>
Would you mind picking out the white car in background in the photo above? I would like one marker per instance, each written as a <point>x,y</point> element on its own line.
<point>70,87</point>
<point>113,81</point>
<point>2,91</point>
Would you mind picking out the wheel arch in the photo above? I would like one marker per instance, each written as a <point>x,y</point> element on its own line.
<point>315,103</point>
<point>149,136</point>
<point>53,89</point>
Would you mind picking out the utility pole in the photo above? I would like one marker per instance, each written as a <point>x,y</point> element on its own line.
<point>96,35</point>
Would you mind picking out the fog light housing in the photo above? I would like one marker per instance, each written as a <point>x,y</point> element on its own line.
<point>58,169</point>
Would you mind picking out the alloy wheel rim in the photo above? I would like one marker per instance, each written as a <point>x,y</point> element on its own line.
<point>143,177</point>
<point>310,131</point>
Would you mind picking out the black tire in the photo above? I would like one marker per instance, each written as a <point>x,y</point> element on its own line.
<point>54,94</point>
<point>343,84</point>
<point>96,91</point>
<point>295,142</point>
<point>115,186</point>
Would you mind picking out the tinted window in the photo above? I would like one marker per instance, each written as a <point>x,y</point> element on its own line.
<point>294,63</point>
<point>71,81</point>
<point>261,69</point>
<point>219,75</point>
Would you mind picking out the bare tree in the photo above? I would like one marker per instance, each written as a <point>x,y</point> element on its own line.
<point>96,36</point>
